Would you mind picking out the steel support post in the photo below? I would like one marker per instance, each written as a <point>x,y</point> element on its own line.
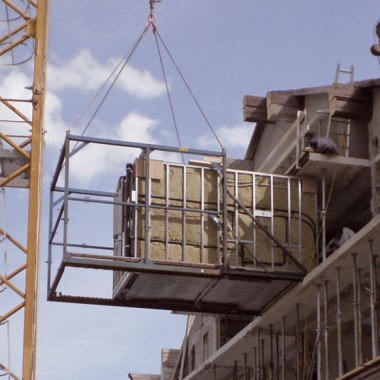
<point>326,331</point>
<point>360,319</point>
<point>262,348</point>
<point>246,374</point>
<point>258,357</point>
<point>373,290</point>
<point>319,346</point>
<point>283,356</point>
<point>355,308</point>
<point>298,344</point>
<point>339,323</point>
<point>277,356</point>
<point>255,369</point>
<point>271,375</point>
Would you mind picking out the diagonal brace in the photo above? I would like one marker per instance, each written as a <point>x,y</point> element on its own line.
<point>273,238</point>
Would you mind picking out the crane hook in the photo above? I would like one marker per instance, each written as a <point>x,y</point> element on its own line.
<point>151,5</point>
<point>151,17</point>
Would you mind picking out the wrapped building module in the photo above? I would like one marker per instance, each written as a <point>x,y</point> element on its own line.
<point>178,216</point>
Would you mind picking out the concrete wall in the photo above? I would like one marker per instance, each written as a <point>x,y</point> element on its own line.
<point>272,133</point>
<point>374,150</point>
<point>202,341</point>
<point>169,357</point>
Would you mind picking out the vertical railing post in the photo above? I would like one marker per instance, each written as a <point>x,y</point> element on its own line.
<point>299,113</point>
<point>66,195</point>
<point>225,220</point>
<point>50,249</point>
<point>202,240</point>
<point>272,219</point>
<point>167,203</point>
<point>323,215</point>
<point>184,205</point>
<point>147,203</point>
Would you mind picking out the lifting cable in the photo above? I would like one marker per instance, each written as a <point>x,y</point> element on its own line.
<point>167,89</point>
<point>152,21</point>
<point>118,70</point>
<point>190,91</point>
<point>122,64</point>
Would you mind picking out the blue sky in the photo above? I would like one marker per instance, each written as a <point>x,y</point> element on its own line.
<point>225,50</point>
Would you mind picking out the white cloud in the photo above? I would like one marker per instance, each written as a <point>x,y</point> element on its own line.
<point>140,83</point>
<point>84,72</point>
<point>232,138</point>
<point>137,127</point>
<point>54,124</point>
<point>94,161</point>
<point>13,86</point>
<point>97,160</point>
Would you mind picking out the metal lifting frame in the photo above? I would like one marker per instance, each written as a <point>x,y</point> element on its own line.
<point>66,253</point>
<point>68,194</point>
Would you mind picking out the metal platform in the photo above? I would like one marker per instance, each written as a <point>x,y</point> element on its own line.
<point>233,282</point>
<point>341,173</point>
<point>187,288</point>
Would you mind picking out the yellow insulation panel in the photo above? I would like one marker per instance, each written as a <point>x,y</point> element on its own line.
<point>184,230</point>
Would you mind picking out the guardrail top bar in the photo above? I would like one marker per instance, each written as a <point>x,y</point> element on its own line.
<point>151,147</point>
<point>129,144</point>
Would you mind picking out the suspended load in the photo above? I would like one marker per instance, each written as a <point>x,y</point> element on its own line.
<point>198,220</point>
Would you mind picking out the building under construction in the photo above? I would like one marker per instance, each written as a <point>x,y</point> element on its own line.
<point>284,304</point>
<point>273,258</point>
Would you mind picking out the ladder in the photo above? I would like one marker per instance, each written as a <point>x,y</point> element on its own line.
<point>339,70</point>
<point>340,132</point>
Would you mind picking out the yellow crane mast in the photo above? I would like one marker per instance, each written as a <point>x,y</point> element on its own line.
<point>21,161</point>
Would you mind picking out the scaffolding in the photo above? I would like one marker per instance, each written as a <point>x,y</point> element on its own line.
<point>325,327</point>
